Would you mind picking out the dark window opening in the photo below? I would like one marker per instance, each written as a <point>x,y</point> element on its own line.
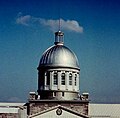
<point>62,93</point>
<point>70,79</point>
<point>75,79</point>
<point>63,79</point>
<point>55,78</point>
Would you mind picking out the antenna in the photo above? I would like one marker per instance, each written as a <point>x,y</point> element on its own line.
<point>59,20</point>
<point>59,35</point>
<point>59,24</point>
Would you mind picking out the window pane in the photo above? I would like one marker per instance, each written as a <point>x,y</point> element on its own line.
<point>55,78</point>
<point>63,79</point>
<point>70,79</point>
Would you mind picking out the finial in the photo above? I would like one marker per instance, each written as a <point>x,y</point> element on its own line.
<point>59,38</point>
<point>59,35</point>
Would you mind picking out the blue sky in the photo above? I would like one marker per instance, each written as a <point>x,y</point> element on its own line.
<point>92,31</point>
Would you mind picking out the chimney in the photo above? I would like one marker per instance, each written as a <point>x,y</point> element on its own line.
<point>85,96</point>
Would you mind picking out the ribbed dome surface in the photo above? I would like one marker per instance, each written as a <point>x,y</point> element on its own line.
<point>59,55</point>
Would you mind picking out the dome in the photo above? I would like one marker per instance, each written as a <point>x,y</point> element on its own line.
<point>59,55</point>
<point>58,72</point>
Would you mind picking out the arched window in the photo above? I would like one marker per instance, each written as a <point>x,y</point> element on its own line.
<point>70,79</point>
<point>63,79</point>
<point>75,79</point>
<point>55,77</point>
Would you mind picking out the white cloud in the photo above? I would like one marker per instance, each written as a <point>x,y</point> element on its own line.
<point>72,25</point>
<point>69,25</point>
<point>23,20</point>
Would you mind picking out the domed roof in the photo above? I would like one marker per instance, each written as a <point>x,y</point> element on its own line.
<point>59,55</point>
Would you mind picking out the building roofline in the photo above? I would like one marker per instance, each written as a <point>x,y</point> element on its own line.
<point>59,101</point>
<point>61,107</point>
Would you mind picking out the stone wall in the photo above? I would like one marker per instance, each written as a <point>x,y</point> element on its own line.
<point>35,107</point>
<point>8,115</point>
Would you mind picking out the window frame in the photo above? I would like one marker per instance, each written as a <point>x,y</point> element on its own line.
<point>62,78</point>
<point>55,78</point>
<point>70,78</point>
<point>75,80</point>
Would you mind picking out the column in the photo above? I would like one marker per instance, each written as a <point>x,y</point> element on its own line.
<point>77,80</point>
<point>66,80</point>
<point>51,80</point>
<point>59,80</point>
<point>45,81</point>
<point>73,81</point>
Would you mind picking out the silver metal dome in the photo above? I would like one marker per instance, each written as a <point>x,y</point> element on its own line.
<point>59,55</point>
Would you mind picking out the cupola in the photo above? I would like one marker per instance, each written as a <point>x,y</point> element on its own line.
<point>58,72</point>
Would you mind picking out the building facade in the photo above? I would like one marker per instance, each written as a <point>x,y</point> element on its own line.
<point>58,94</point>
<point>58,84</point>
